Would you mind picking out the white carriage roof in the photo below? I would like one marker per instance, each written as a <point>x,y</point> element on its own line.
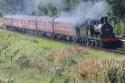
<point>27,17</point>
<point>66,19</point>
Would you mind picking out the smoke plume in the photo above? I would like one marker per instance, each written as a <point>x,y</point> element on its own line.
<point>87,10</point>
<point>55,3</point>
<point>29,6</point>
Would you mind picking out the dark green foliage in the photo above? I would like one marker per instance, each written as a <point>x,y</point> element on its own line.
<point>11,81</point>
<point>117,14</point>
<point>112,75</point>
<point>66,79</point>
<point>116,76</point>
<point>122,78</point>
<point>11,6</point>
<point>117,7</point>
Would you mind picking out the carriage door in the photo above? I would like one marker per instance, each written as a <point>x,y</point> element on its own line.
<point>78,32</point>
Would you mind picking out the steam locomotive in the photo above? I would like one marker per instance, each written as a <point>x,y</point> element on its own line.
<point>90,33</point>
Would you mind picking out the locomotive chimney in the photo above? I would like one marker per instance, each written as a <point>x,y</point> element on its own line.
<point>103,20</point>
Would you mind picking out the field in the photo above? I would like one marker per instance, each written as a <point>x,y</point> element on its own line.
<point>26,59</point>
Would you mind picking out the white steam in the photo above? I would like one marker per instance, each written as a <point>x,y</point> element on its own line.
<point>84,11</point>
<point>55,3</point>
<point>88,10</point>
<point>29,7</point>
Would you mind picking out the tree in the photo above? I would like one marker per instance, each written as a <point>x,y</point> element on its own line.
<point>117,7</point>
<point>11,6</point>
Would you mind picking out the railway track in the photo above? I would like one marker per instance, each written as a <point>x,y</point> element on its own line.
<point>118,51</point>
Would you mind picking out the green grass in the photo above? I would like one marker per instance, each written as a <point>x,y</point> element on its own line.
<point>26,59</point>
<point>35,50</point>
<point>102,54</point>
<point>51,44</point>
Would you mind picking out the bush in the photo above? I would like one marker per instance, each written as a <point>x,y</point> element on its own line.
<point>113,75</point>
<point>66,79</point>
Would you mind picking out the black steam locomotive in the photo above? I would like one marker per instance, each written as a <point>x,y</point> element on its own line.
<point>98,32</point>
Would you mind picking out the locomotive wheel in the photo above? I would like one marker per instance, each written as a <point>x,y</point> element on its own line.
<point>101,44</point>
<point>97,43</point>
<point>92,44</point>
<point>85,43</point>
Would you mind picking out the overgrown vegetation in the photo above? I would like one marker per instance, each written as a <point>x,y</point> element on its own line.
<point>25,59</point>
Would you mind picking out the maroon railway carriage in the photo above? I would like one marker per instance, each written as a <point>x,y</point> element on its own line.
<point>14,22</point>
<point>58,27</point>
<point>65,27</point>
<point>8,22</point>
<point>20,23</point>
<point>29,22</point>
<point>25,23</point>
<point>11,21</point>
<point>61,26</point>
<point>45,24</point>
<point>32,24</point>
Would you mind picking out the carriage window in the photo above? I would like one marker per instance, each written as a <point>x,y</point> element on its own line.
<point>62,25</point>
<point>68,26</point>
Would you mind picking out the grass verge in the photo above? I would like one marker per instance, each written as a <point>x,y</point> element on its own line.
<point>25,59</point>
